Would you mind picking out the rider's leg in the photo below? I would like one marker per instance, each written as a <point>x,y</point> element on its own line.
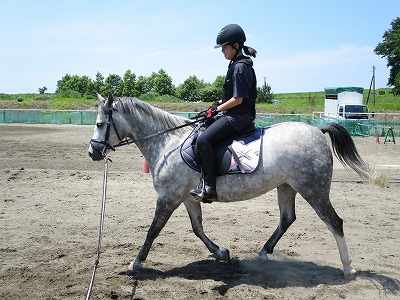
<point>206,190</point>
<point>215,133</point>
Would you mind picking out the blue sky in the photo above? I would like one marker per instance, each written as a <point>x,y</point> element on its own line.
<point>302,45</point>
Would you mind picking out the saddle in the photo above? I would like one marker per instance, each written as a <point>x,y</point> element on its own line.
<point>242,155</point>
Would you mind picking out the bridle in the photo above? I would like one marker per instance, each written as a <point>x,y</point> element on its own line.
<point>107,145</point>
<point>126,141</point>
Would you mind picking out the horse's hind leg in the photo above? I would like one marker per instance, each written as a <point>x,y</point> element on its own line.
<point>195,214</point>
<point>286,202</point>
<point>328,215</point>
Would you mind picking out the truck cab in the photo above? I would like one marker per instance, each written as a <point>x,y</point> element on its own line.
<point>353,111</point>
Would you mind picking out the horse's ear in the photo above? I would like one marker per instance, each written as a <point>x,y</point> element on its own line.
<point>110,99</point>
<point>101,99</point>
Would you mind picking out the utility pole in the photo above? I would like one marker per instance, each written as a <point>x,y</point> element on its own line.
<point>373,86</point>
<point>373,82</point>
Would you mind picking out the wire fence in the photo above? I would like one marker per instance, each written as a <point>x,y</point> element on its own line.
<point>366,127</point>
<point>88,117</point>
<point>84,117</point>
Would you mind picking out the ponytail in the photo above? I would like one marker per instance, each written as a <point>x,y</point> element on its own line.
<point>249,51</point>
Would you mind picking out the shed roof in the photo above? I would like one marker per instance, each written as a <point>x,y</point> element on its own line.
<point>337,90</point>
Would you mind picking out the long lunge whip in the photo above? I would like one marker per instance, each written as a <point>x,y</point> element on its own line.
<point>103,206</point>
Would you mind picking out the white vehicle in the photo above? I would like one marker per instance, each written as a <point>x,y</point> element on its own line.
<point>345,103</point>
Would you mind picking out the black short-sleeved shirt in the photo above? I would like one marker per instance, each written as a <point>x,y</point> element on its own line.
<point>241,82</point>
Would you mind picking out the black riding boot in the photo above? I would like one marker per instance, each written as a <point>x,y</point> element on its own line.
<point>206,191</point>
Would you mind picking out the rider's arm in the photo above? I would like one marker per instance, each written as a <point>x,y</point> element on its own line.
<point>234,101</point>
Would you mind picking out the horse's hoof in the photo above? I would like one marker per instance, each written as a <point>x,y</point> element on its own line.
<point>262,256</point>
<point>349,273</point>
<point>223,255</point>
<point>135,266</point>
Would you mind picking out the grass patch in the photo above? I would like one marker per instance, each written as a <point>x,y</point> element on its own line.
<point>73,104</point>
<point>288,103</point>
<point>315,101</point>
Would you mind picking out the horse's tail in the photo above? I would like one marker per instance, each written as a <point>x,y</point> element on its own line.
<point>345,150</point>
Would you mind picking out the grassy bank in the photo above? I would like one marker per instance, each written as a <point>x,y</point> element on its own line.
<point>288,103</point>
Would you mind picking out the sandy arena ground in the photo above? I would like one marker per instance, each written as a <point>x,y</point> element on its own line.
<point>49,216</point>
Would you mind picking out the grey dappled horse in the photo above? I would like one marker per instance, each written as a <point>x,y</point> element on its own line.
<point>296,158</point>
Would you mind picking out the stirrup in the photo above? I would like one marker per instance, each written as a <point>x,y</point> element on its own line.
<point>204,193</point>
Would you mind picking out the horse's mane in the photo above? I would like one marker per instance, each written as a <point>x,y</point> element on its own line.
<point>140,109</point>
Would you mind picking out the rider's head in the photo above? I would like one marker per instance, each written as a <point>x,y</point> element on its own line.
<point>231,38</point>
<point>229,35</point>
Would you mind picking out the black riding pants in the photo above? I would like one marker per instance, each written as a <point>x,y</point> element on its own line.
<point>218,132</point>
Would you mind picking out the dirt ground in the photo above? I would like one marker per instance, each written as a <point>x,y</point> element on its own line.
<point>50,210</point>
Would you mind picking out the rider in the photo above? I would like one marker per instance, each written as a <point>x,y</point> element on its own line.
<point>237,106</point>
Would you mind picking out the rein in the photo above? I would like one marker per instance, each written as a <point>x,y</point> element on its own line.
<point>199,118</point>
<point>127,141</point>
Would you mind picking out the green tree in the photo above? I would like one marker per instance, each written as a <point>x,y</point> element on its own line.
<point>144,85</point>
<point>129,85</point>
<point>62,83</point>
<point>189,90</point>
<point>162,83</point>
<point>219,83</point>
<point>69,84</point>
<point>264,94</point>
<point>73,83</point>
<point>114,84</point>
<point>42,90</point>
<point>209,93</point>
<point>86,86</point>
<point>390,48</point>
<point>98,83</point>
<point>79,85</point>
<point>213,92</point>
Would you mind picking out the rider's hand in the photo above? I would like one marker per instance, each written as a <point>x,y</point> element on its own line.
<point>212,111</point>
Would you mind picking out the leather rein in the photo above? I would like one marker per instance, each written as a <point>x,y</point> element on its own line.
<point>126,141</point>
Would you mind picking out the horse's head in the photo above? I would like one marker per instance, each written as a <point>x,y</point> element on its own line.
<point>108,130</point>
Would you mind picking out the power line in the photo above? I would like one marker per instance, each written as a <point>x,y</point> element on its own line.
<point>318,77</point>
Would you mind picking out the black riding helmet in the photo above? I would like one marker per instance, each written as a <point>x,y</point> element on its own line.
<point>229,35</point>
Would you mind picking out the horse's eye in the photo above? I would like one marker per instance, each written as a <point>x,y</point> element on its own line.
<point>98,125</point>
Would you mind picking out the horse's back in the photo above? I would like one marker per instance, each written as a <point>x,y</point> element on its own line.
<point>292,139</point>
<point>298,153</point>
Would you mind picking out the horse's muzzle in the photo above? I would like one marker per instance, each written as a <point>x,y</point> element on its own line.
<point>97,151</point>
<point>94,157</point>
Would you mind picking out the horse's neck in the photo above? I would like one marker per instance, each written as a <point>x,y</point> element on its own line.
<point>152,141</point>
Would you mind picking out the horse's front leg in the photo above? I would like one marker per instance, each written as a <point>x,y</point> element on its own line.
<point>195,214</point>
<point>164,209</point>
